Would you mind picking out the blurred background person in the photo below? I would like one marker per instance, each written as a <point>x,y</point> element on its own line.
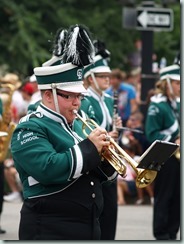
<point>21,99</point>
<point>36,95</point>
<point>135,122</point>
<point>126,94</point>
<point>133,77</point>
<point>134,148</point>
<point>13,181</point>
<point>135,57</point>
<point>127,186</point>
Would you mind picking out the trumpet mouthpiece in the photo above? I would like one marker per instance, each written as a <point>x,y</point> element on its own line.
<point>75,111</point>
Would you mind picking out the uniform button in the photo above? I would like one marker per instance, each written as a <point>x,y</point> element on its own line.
<point>92,183</point>
<point>93,195</point>
<point>87,172</point>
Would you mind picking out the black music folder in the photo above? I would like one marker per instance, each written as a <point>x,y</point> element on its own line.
<point>156,155</point>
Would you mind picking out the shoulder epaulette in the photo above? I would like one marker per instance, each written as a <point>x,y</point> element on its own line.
<point>158,98</point>
<point>32,115</point>
<point>107,95</point>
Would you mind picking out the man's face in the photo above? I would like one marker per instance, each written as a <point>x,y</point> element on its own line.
<point>103,80</point>
<point>68,101</point>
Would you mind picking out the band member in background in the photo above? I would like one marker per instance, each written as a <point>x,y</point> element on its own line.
<point>96,76</point>
<point>61,172</point>
<point>163,123</point>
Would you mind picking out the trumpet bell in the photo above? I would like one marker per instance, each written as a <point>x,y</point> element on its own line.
<point>145,177</point>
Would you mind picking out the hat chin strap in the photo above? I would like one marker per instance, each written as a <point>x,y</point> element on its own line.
<point>55,98</point>
<point>95,82</point>
<point>173,97</point>
<point>170,87</point>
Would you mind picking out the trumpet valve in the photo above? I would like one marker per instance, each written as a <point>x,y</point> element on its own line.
<point>107,138</point>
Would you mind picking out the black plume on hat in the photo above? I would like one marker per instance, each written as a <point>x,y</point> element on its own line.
<point>59,42</point>
<point>100,49</point>
<point>79,49</point>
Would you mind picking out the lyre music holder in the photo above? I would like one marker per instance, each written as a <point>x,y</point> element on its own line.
<point>156,155</point>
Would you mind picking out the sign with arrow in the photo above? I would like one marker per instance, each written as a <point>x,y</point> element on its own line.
<point>154,19</point>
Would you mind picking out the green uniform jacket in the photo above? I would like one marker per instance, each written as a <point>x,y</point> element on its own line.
<point>161,121</point>
<point>50,156</point>
<point>86,109</point>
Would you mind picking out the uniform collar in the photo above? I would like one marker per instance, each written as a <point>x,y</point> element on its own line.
<point>51,114</point>
<point>96,95</point>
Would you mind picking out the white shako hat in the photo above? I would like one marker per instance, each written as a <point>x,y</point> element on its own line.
<point>77,51</point>
<point>99,65</point>
<point>66,77</point>
<point>172,72</point>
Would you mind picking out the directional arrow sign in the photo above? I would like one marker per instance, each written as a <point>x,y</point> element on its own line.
<point>154,19</point>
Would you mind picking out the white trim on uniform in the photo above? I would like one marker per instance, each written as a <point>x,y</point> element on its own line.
<point>79,162</point>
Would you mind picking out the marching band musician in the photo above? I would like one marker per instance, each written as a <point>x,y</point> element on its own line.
<point>163,123</point>
<point>61,172</point>
<point>86,109</point>
<point>96,75</point>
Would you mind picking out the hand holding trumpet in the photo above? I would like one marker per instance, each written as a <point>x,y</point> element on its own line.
<point>99,138</point>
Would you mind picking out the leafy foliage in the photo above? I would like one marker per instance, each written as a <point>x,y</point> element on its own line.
<point>28,29</point>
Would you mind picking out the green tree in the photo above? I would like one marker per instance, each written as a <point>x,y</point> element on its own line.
<point>28,28</point>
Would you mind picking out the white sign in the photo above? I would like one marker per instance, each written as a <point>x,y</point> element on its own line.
<point>154,19</point>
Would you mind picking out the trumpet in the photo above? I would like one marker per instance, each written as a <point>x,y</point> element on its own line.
<point>116,156</point>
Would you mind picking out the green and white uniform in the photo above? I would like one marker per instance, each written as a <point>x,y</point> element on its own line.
<point>161,121</point>
<point>103,107</point>
<point>64,158</point>
<point>86,109</point>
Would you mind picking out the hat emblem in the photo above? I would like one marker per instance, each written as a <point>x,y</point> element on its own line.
<point>79,74</point>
